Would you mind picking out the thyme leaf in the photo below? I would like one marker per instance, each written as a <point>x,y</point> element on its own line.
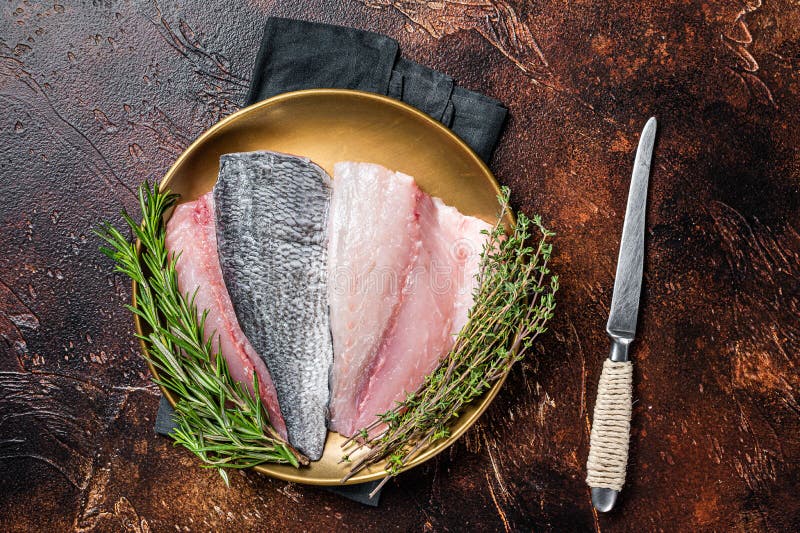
<point>514,299</point>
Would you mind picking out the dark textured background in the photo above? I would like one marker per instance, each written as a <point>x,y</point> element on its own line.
<point>98,96</point>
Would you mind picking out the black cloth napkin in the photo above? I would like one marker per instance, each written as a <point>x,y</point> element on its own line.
<point>298,55</point>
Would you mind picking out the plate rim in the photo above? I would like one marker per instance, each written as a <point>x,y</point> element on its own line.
<point>464,421</point>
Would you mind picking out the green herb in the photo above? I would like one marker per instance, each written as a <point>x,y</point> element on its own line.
<point>223,424</point>
<point>217,418</point>
<point>514,300</point>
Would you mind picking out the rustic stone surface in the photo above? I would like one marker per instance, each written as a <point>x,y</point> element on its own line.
<point>98,96</point>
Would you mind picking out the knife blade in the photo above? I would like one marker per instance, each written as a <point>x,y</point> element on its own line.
<point>628,280</point>
<point>610,435</point>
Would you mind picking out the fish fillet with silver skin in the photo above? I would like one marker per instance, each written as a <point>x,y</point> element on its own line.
<point>271,223</point>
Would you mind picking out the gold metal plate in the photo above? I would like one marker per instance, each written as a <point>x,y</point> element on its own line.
<point>331,125</point>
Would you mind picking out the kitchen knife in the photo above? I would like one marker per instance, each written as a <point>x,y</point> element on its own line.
<point>610,435</point>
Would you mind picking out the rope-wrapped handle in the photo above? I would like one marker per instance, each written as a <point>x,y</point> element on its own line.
<point>611,426</point>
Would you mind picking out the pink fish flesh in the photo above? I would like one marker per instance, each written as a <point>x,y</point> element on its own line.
<point>191,233</point>
<point>402,271</point>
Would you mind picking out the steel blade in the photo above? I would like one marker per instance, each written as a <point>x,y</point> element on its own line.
<point>628,280</point>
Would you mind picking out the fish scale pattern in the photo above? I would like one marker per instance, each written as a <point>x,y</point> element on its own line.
<point>272,217</point>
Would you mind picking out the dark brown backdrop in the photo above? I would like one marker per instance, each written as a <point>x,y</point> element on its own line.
<point>98,96</point>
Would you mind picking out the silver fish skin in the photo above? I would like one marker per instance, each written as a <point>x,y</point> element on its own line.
<point>271,219</point>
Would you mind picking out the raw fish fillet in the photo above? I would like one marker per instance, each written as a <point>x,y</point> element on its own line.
<point>191,233</point>
<point>402,274</point>
<point>272,220</point>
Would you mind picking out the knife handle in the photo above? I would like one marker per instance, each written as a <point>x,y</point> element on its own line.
<point>610,435</point>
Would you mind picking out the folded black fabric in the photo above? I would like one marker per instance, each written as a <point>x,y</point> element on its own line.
<point>297,55</point>
<point>164,418</point>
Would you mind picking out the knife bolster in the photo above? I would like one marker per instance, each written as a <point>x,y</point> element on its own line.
<point>619,350</point>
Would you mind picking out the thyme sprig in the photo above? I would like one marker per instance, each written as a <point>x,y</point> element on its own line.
<point>217,418</point>
<point>514,299</point>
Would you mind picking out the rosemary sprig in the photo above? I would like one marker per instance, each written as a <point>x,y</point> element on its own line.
<point>514,300</point>
<point>217,418</point>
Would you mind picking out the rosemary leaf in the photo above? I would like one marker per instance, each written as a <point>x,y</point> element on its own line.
<point>217,418</point>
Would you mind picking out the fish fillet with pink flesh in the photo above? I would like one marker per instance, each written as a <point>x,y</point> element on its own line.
<point>191,232</point>
<point>402,269</point>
